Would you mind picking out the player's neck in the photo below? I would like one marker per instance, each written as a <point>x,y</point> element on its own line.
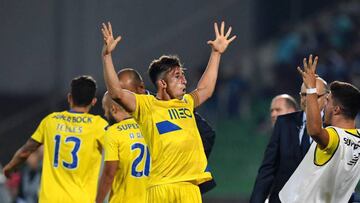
<point>79,109</point>
<point>342,122</point>
<point>163,95</point>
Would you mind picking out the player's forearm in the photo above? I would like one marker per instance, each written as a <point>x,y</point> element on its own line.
<point>104,187</point>
<point>207,83</point>
<point>19,157</point>
<point>110,77</point>
<point>313,117</point>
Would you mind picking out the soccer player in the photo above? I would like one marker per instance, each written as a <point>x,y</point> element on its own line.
<point>72,148</point>
<point>127,158</point>
<point>330,170</point>
<point>178,161</point>
<point>131,80</point>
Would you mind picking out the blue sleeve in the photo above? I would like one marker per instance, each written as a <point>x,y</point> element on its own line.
<point>207,134</point>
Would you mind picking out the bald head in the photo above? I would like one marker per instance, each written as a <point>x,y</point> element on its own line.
<point>131,80</point>
<point>113,112</point>
<point>322,90</point>
<point>282,104</point>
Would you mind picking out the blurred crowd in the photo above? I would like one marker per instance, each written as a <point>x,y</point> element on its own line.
<point>23,186</point>
<point>333,34</point>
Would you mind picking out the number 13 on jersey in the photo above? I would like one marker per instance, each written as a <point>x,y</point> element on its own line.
<point>70,140</point>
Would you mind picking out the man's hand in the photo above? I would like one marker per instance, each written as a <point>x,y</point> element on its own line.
<point>308,75</point>
<point>221,41</point>
<point>109,41</point>
<point>7,170</point>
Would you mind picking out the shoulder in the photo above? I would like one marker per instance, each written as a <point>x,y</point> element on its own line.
<point>52,116</point>
<point>99,121</point>
<point>295,116</point>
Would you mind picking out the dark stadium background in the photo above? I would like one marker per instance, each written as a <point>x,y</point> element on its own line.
<point>44,44</point>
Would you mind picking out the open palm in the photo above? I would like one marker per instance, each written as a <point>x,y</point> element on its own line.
<point>221,41</point>
<point>309,72</point>
<point>109,41</point>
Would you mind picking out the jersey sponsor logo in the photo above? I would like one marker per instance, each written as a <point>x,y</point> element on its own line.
<point>166,127</point>
<point>128,126</point>
<point>351,143</point>
<point>179,113</point>
<point>355,146</point>
<point>73,119</point>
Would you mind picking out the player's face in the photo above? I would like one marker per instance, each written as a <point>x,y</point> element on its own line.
<point>176,83</point>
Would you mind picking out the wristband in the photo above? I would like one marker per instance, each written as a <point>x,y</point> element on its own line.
<point>311,91</point>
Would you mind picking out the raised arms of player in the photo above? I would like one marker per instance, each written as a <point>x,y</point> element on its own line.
<point>106,180</point>
<point>123,97</point>
<point>313,117</point>
<point>206,85</point>
<point>20,156</point>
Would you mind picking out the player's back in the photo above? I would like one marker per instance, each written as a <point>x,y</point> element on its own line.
<point>125,143</point>
<point>72,156</point>
<point>327,175</point>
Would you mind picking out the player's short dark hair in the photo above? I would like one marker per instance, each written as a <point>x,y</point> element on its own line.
<point>291,103</point>
<point>347,96</point>
<point>83,90</point>
<point>133,74</point>
<point>162,65</point>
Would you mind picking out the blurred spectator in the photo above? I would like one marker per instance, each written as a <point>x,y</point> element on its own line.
<point>30,178</point>
<point>282,104</point>
<point>12,184</point>
<point>4,193</point>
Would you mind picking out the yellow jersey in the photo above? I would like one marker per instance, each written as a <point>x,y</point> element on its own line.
<point>169,129</point>
<point>124,143</point>
<point>72,156</point>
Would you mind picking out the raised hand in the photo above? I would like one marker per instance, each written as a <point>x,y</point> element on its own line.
<point>109,41</point>
<point>308,74</point>
<point>221,41</point>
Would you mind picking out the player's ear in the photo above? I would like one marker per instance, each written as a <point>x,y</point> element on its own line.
<point>69,98</point>
<point>336,110</point>
<point>141,88</point>
<point>93,101</point>
<point>113,109</point>
<point>161,84</point>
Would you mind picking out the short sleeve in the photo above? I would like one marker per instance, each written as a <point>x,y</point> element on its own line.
<point>142,109</point>
<point>38,135</point>
<point>323,156</point>
<point>101,126</point>
<point>189,98</point>
<point>333,140</point>
<point>111,146</point>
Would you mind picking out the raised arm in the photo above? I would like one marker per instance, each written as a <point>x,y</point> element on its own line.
<point>20,156</point>
<point>206,85</point>
<point>123,97</point>
<point>313,116</point>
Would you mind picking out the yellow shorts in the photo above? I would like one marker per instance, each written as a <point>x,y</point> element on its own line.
<point>183,192</point>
